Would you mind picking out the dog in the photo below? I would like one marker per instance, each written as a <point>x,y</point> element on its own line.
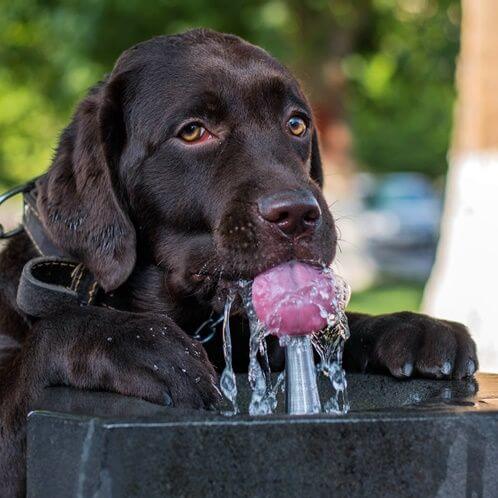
<point>194,164</point>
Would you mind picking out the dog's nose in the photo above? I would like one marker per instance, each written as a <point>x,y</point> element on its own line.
<point>295,212</point>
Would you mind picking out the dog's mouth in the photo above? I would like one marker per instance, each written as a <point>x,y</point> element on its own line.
<point>241,249</point>
<point>216,286</point>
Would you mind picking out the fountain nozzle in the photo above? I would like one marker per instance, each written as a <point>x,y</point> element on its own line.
<point>301,390</point>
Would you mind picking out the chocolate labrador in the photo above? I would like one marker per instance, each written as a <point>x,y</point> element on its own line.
<point>194,164</point>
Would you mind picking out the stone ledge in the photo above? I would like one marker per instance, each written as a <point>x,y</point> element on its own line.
<point>411,438</point>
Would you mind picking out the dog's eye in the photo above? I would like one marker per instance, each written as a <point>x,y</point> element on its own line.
<point>297,126</point>
<point>193,132</point>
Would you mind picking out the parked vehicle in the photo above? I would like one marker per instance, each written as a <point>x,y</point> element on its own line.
<point>401,224</point>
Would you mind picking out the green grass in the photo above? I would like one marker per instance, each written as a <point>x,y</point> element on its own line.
<point>388,298</point>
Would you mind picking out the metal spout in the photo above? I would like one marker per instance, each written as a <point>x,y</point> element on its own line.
<point>301,390</point>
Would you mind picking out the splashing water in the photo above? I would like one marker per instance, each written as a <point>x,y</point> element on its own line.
<point>228,383</point>
<point>264,394</point>
<point>329,344</point>
<point>330,347</point>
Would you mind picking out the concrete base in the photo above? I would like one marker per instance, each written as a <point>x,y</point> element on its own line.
<point>412,438</point>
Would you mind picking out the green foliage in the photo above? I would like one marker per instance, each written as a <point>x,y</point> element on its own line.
<point>401,93</point>
<point>388,298</point>
<point>397,58</point>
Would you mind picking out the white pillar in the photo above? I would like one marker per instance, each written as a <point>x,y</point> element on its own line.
<point>464,282</point>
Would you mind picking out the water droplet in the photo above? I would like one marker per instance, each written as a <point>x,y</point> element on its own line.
<point>168,400</point>
<point>446,368</point>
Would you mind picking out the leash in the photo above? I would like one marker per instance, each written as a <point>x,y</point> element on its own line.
<point>53,280</point>
<point>21,189</point>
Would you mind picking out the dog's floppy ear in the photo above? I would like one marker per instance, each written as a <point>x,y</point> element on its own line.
<point>316,171</point>
<point>78,200</point>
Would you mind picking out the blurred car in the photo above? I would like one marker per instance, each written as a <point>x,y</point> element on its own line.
<point>401,224</point>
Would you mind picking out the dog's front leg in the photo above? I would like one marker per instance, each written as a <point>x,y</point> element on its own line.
<point>408,344</point>
<point>142,355</point>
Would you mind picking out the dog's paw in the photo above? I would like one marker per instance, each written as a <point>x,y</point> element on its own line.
<point>414,345</point>
<point>146,356</point>
<point>162,364</point>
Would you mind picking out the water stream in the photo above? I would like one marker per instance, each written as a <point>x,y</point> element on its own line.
<point>228,382</point>
<point>329,345</point>
<point>264,394</point>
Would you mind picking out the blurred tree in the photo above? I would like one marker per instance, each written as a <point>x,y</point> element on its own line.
<point>388,64</point>
<point>401,93</point>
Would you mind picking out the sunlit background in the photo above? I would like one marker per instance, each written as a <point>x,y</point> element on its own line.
<point>380,75</point>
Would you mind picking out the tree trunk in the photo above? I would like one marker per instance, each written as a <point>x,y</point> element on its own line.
<point>464,282</point>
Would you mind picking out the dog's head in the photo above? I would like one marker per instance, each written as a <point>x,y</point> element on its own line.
<point>194,164</point>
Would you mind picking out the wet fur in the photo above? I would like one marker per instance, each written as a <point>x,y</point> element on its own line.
<point>167,228</point>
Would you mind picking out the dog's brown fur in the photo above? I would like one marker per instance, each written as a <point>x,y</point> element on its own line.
<point>169,226</point>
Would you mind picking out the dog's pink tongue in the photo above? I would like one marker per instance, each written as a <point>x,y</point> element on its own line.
<point>293,298</point>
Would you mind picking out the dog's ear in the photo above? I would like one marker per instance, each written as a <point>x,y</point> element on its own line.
<point>316,171</point>
<point>78,199</point>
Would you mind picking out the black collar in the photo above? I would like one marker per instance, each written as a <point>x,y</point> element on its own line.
<point>53,279</point>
